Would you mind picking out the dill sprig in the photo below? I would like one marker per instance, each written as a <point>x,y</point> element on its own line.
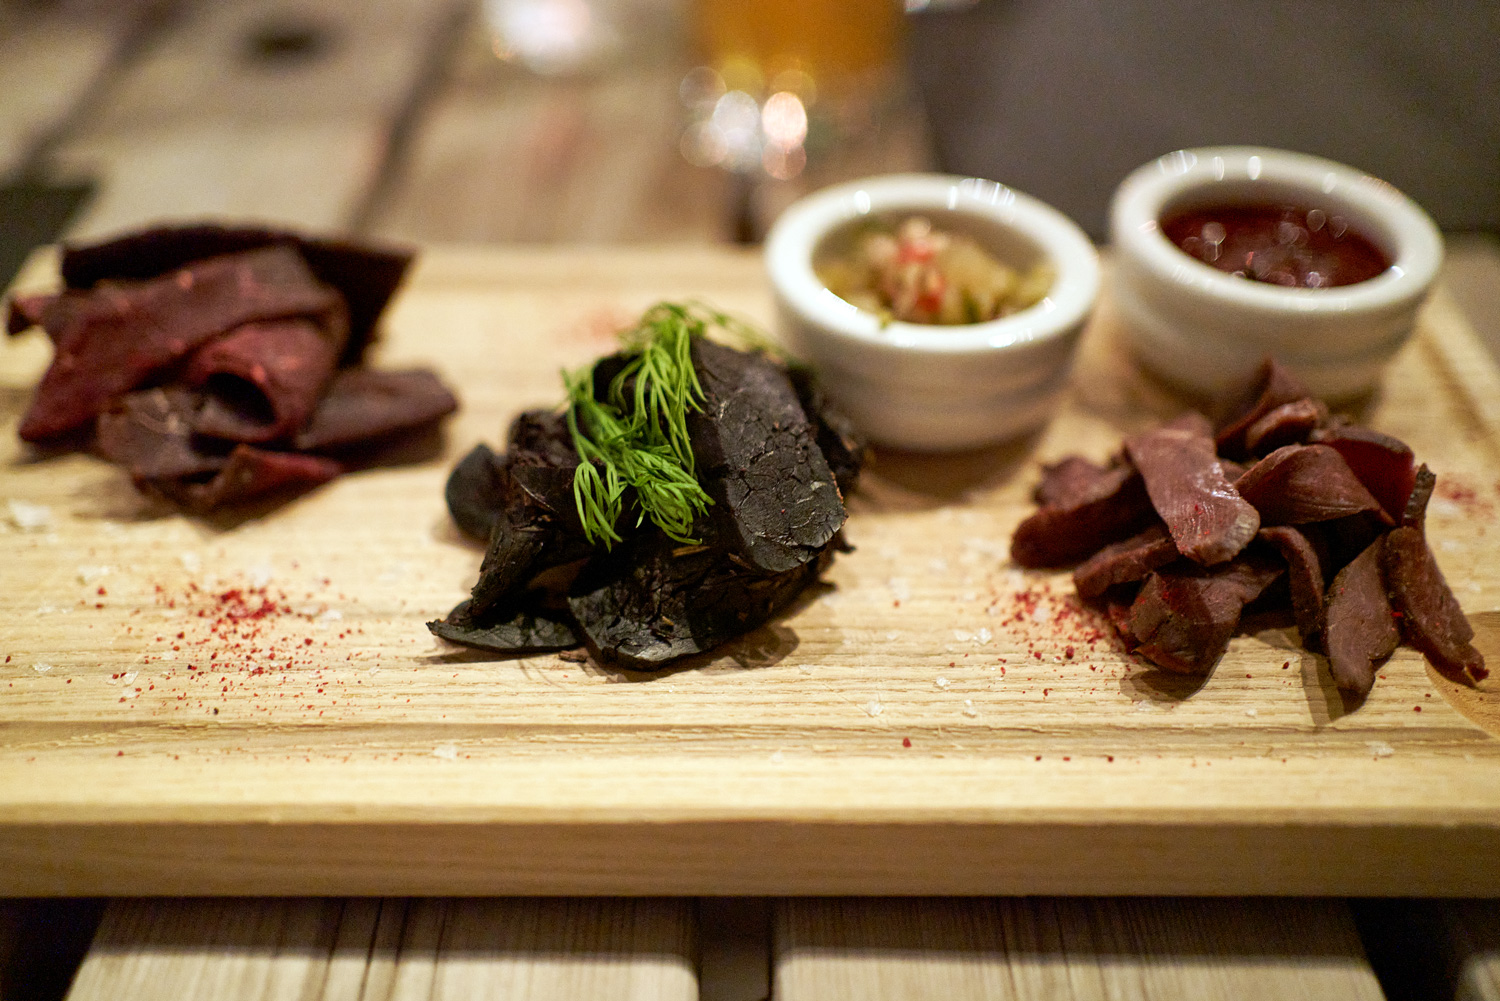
<point>637,437</point>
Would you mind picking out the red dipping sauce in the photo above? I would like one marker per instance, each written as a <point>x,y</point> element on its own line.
<point>1278,244</point>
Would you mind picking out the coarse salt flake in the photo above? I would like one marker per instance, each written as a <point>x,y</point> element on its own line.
<point>1251,712</point>
<point>942,682</point>
<point>969,709</point>
<point>983,636</point>
<point>41,667</point>
<point>900,587</point>
<point>1380,748</point>
<point>29,517</point>
<point>1041,613</point>
<point>893,635</point>
<point>873,707</point>
<point>962,635</point>
<point>89,574</point>
<point>777,758</point>
<point>191,561</point>
<point>448,752</point>
<point>260,575</point>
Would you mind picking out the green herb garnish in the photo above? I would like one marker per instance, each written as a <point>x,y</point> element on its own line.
<point>637,437</point>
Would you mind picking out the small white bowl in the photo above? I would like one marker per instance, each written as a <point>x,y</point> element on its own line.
<point>931,387</point>
<point>1207,331</point>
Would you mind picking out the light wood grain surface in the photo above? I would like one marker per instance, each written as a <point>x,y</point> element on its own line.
<point>391,950</point>
<point>153,745</point>
<point>1070,950</point>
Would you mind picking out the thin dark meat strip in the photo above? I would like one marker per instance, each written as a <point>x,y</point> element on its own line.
<point>1384,464</point>
<point>1430,616</point>
<point>1288,424</point>
<point>1063,482</point>
<point>1208,519</point>
<point>150,434</point>
<point>1361,631</point>
<point>363,404</point>
<point>251,473</point>
<point>1124,561</point>
<point>1273,386</point>
<point>1114,506</point>
<point>1305,581</point>
<point>263,380</point>
<point>1297,484</point>
<point>1185,614</point>
<point>1415,514</point>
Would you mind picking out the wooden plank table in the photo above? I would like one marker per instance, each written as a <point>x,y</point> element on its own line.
<point>152,743</point>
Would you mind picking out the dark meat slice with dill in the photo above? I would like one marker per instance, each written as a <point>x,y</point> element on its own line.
<point>654,601</point>
<point>1361,632</point>
<point>1121,562</point>
<point>1100,509</point>
<point>476,490</point>
<point>1185,614</point>
<point>1430,616</point>
<point>1298,484</point>
<point>776,503</point>
<point>1208,519</point>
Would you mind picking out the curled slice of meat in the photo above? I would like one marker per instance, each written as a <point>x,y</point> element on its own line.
<point>249,474</point>
<point>1288,424</point>
<point>1361,631</point>
<point>363,404</point>
<point>1273,386</point>
<point>1297,484</point>
<point>1065,481</point>
<point>150,434</point>
<point>1304,580</point>
<point>111,338</point>
<point>1185,615</point>
<point>1113,506</point>
<point>1430,616</point>
<point>1415,514</point>
<point>1208,519</point>
<point>1384,464</point>
<point>1124,561</point>
<point>263,380</point>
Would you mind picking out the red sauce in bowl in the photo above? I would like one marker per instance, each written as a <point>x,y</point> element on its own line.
<point>1278,244</point>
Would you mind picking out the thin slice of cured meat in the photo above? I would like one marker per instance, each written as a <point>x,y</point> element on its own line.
<point>1114,505</point>
<point>1121,562</point>
<point>1305,580</point>
<point>1384,464</point>
<point>1063,482</point>
<point>150,434</point>
<point>366,274</point>
<point>110,339</point>
<point>1415,514</point>
<point>1361,631</point>
<point>1297,484</point>
<point>1288,424</point>
<point>526,627</point>
<point>1273,386</point>
<point>1184,615</point>
<point>263,380</point>
<point>250,474</point>
<point>1430,616</point>
<point>364,404</point>
<point>1208,519</point>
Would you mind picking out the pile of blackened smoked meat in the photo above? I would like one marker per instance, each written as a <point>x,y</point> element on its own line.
<point>218,365</point>
<point>1281,507</point>
<point>773,457</point>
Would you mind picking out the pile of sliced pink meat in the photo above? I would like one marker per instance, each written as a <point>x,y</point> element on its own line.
<point>1284,508</point>
<point>220,364</point>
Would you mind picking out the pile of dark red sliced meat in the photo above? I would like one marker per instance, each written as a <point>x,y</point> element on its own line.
<point>1282,508</point>
<point>218,365</point>
<point>774,459</point>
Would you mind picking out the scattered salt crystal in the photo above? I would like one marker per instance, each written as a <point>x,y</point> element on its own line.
<point>873,707</point>
<point>777,758</point>
<point>129,677</point>
<point>969,596</point>
<point>942,682</point>
<point>90,574</point>
<point>1041,614</point>
<point>962,635</point>
<point>260,575</point>
<point>41,668</point>
<point>992,610</point>
<point>893,635</point>
<point>1251,712</point>
<point>191,561</point>
<point>374,670</point>
<point>938,566</point>
<point>447,752</point>
<point>1450,545</point>
<point>29,517</point>
<point>900,587</point>
<point>983,636</point>
<point>1145,706</point>
<point>1380,748</point>
<point>48,609</point>
<point>330,615</point>
<point>969,709</point>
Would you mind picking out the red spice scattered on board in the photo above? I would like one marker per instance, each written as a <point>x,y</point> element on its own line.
<point>905,741</point>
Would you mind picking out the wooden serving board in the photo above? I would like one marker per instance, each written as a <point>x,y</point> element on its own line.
<point>253,705</point>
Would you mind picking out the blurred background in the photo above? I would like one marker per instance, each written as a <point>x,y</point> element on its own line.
<point>606,121</point>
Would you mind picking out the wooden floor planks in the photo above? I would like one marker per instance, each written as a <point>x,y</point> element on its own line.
<point>368,949</point>
<point>1084,949</point>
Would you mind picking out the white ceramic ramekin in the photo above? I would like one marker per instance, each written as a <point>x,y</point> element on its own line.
<point>928,387</point>
<point>1207,330</point>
